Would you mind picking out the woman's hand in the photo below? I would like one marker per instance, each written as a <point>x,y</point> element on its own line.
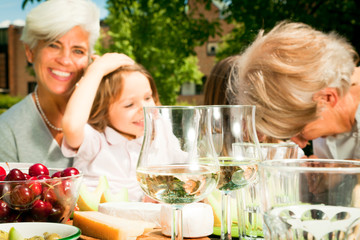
<point>108,62</point>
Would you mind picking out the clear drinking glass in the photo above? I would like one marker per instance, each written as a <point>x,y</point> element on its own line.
<point>250,223</point>
<point>177,163</point>
<point>310,199</point>
<point>234,124</point>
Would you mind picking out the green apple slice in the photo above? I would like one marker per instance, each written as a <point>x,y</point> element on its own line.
<point>14,234</point>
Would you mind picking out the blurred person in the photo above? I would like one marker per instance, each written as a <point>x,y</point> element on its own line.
<point>216,85</point>
<point>305,87</point>
<point>104,121</point>
<point>58,36</point>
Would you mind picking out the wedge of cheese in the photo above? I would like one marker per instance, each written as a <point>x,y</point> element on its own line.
<point>143,211</point>
<point>99,225</point>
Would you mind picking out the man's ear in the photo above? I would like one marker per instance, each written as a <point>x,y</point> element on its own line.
<point>328,96</point>
<point>29,53</point>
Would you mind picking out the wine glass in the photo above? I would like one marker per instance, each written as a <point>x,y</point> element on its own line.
<point>250,223</point>
<point>310,199</point>
<point>177,163</point>
<point>233,132</point>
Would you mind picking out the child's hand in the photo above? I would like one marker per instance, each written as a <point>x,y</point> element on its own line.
<point>109,62</point>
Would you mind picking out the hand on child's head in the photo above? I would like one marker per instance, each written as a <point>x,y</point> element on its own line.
<point>111,61</point>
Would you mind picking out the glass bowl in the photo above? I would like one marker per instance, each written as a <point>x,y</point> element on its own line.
<point>44,200</point>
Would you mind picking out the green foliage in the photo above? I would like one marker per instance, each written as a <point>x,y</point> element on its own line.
<point>161,35</point>
<point>252,15</point>
<point>6,101</point>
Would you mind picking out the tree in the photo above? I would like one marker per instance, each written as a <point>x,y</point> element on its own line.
<point>341,16</point>
<point>161,35</point>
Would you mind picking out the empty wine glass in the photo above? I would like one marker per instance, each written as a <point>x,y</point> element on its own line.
<point>250,224</point>
<point>177,163</point>
<point>234,137</point>
<point>314,199</point>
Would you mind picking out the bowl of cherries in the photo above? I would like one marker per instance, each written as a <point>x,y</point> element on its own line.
<point>37,193</point>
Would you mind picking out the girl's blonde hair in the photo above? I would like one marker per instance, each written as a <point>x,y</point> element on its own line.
<point>281,71</point>
<point>110,90</point>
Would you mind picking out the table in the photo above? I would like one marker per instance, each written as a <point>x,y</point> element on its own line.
<point>156,235</point>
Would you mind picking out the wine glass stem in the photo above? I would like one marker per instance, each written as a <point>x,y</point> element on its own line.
<point>177,224</point>
<point>226,215</point>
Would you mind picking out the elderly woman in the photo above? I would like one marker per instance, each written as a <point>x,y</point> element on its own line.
<point>59,36</point>
<point>303,84</point>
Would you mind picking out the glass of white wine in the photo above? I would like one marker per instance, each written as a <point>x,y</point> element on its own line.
<point>177,163</point>
<point>233,130</point>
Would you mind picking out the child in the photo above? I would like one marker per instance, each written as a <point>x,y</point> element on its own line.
<point>103,122</point>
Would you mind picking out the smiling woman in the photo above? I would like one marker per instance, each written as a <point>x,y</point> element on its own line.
<point>58,36</point>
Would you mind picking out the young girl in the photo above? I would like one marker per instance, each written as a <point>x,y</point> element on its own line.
<point>103,122</point>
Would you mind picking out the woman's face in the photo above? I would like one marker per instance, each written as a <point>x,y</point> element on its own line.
<point>332,120</point>
<point>59,64</point>
<point>126,114</point>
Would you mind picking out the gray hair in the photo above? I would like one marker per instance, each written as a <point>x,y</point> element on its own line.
<point>281,71</point>
<point>54,18</point>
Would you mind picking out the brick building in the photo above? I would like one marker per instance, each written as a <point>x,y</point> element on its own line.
<point>16,79</point>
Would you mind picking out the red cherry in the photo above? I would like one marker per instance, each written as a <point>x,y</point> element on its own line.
<point>2,177</point>
<point>35,186</point>
<point>66,187</point>
<point>56,214</point>
<point>27,176</point>
<point>2,171</point>
<point>41,209</point>
<point>56,175</point>
<point>41,177</point>
<point>48,195</point>
<point>15,175</point>
<point>4,210</point>
<point>38,169</point>
<point>70,171</point>
<point>21,196</point>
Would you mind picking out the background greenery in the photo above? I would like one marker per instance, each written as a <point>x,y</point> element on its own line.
<point>7,101</point>
<point>341,16</point>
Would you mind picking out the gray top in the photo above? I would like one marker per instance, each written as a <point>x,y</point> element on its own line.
<point>341,146</point>
<point>24,137</point>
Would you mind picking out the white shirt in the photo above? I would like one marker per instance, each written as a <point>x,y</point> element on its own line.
<point>342,146</point>
<point>109,154</point>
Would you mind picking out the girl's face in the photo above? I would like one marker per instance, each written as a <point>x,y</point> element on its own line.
<point>126,114</point>
<point>59,64</point>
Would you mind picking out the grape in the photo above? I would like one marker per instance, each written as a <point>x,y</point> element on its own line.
<point>38,169</point>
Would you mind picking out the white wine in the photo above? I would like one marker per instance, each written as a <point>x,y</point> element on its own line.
<point>235,174</point>
<point>178,184</point>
